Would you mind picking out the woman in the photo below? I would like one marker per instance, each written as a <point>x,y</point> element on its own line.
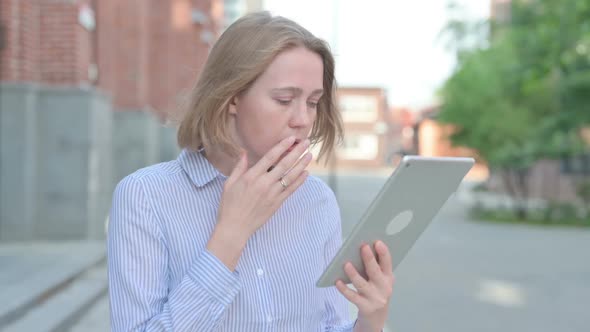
<point>233,235</point>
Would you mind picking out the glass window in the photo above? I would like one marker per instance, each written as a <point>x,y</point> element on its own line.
<point>357,108</point>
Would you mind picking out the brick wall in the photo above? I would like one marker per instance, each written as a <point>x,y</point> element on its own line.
<point>64,44</point>
<point>146,51</point>
<point>122,51</point>
<point>43,42</point>
<point>150,50</point>
<point>19,57</point>
<point>177,54</point>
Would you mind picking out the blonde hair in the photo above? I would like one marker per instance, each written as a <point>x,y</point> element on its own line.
<point>238,58</point>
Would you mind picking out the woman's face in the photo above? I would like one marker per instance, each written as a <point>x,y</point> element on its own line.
<point>282,102</point>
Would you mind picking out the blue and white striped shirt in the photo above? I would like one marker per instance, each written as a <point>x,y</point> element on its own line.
<point>162,277</point>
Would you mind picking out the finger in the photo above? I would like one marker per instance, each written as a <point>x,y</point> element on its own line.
<point>357,280</point>
<point>371,266</point>
<point>352,296</point>
<point>240,168</point>
<point>288,162</point>
<point>293,186</point>
<point>293,174</point>
<point>272,156</point>
<point>384,258</point>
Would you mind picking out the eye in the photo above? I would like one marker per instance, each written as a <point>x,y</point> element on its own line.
<point>312,104</point>
<point>284,102</point>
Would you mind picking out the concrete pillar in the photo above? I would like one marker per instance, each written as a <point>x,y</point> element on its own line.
<point>18,159</point>
<point>136,135</point>
<point>55,162</point>
<point>74,163</point>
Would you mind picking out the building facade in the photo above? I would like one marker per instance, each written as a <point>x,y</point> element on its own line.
<point>368,143</point>
<point>433,140</point>
<point>85,86</point>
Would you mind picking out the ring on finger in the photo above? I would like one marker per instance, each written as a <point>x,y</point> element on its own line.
<point>284,183</point>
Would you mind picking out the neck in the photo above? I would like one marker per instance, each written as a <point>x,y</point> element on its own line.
<point>221,160</point>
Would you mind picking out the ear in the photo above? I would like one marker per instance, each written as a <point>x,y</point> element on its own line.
<point>233,103</point>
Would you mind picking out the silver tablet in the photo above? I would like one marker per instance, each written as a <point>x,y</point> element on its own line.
<point>402,210</point>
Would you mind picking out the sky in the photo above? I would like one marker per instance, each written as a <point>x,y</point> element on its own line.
<point>392,44</point>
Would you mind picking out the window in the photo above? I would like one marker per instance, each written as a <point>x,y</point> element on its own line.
<point>356,108</point>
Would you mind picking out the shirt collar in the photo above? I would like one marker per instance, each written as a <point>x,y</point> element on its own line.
<point>197,167</point>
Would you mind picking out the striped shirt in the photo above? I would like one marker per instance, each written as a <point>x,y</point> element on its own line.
<point>162,277</point>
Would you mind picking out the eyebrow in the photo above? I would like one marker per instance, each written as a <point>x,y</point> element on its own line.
<point>296,91</point>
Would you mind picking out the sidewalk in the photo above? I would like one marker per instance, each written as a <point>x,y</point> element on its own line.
<point>44,286</point>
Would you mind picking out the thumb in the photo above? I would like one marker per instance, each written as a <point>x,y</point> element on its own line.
<point>241,166</point>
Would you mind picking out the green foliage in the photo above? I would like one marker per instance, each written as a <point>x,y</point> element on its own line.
<point>553,215</point>
<point>525,96</point>
<point>521,94</point>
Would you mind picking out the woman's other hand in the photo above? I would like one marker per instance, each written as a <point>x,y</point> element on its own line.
<point>371,296</point>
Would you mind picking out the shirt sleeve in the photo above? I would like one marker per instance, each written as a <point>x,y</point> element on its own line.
<point>337,306</point>
<point>138,273</point>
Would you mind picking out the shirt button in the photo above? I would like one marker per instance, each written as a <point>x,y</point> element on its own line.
<point>269,319</point>
<point>260,272</point>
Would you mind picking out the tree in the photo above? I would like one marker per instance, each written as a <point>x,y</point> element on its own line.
<point>526,94</point>
<point>482,100</point>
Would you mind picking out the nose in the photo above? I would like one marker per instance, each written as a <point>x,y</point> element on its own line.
<point>302,116</point>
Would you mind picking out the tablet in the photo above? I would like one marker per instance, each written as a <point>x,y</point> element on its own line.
<point>407,203</point>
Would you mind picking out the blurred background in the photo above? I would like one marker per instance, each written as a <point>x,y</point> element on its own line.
<point>86,88</point>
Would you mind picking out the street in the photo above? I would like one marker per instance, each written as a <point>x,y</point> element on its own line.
<point>464,276</point>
